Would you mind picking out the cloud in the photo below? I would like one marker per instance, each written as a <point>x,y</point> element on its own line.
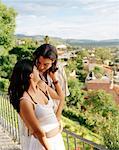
<point>96,19</point>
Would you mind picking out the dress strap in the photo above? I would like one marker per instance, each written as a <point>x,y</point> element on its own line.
<point>27,100</point>
<point>31,98</point>
<point>46,94</point>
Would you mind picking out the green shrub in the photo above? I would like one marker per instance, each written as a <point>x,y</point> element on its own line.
<point>76,94</point>
<point>4,83</point>
<point>110,132</point>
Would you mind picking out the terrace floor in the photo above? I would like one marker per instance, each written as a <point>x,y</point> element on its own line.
<point>6,142</point>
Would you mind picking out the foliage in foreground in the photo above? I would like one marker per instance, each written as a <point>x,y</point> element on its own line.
<point>110,132</point>
<point>7,26</point>
<point>92,110</point>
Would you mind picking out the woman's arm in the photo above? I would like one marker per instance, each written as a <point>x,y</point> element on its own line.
<point>59,92</point>
<point>28,115</point>
<point>56,94</point>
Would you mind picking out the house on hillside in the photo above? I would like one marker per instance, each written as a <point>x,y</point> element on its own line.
<point>104,84</point>
<point>90,76</point>
<point>62,52</point>
<point>116,78</point>
<point>20,41</point>
<point>85,62</point>
<point>61,49</point>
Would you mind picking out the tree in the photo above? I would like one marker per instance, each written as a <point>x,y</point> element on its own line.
<point>83,53</point>
<point>99,106</point>
<point>7,62</point>
<point>7,26</point>
<point>110,132</point>
<point>76,94</point>
<point>70,67</point>
<point>80,72</point>
<point>24,50</point>
<point>46,39</point>
<point>103,54</point>
<point>21,52</point>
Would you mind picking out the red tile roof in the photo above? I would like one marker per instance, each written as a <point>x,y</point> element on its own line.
<point>104,85</point>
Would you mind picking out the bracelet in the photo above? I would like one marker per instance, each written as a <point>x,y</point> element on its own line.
<point>55,82</point>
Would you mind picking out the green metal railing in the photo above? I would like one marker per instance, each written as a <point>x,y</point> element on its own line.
<point>9,121</point>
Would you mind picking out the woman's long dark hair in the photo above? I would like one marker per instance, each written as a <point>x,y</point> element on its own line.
<point>47,51</point>
<point>19,81</point>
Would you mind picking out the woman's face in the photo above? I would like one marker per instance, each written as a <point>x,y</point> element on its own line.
<point>43,64</point>
<point>35,73</point>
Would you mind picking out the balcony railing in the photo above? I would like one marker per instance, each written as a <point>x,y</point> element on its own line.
<point>80,143</point>
<point>9,121</point>
<point>9,117</point>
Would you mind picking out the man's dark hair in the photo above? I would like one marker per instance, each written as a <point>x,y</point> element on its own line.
<point>47,51</point>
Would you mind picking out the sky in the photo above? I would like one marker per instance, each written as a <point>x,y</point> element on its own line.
<point>74,19</point>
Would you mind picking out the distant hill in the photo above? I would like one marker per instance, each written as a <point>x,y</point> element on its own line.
<point>77,42</point>
<point>94,43</point>
<point>38,37</point>
<point>54,40</point>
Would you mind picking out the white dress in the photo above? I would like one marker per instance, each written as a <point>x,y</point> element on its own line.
<point>48,121</point>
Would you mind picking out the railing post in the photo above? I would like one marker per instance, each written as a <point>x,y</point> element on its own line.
<point>91,147</point>
<point>75,145</point>
<point>67,140</point>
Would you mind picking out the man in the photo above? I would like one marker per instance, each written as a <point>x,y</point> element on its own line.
<point>46,58</point>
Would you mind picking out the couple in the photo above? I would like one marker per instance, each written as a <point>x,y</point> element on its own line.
<point>37,103</point>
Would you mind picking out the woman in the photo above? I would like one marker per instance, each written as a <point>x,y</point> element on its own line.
<point>31,97</point>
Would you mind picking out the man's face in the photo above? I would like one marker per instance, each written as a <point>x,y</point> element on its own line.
<point>43,64</point>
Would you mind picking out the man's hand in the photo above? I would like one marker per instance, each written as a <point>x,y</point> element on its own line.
<point>53,75</point>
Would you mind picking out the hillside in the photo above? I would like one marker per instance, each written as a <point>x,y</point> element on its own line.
<point>94,43</point>
<point>77,42</point>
